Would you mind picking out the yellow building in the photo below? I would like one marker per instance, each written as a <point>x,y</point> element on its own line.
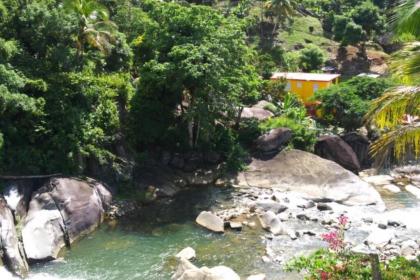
<point>306,84</point>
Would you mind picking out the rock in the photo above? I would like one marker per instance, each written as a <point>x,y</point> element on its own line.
<point>188,271</point>
<point>269,221</point>
<point>314,178</point>
<point>210,221</point>
<point>263,104</point>
<point>273,206</point>
<point>408,248</point>
<point>382,226</point>
<point>186,253</point>
<point>222,273</point>
<point>360,145</point>
<point>9,242</point>
<point>379,180</point>
<point>392,188</point>
<point>323,207</point>
<point>60,212</point>
<point>334,148</point>
<point>255,113</point>
<point>257,277</point>
<point>379,238</point>
<point>413,190</point>
<point>274,139</point>
<point>235,226</point>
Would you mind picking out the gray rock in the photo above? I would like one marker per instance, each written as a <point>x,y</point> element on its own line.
<point>392,188</point>
<point>379,238</point>
<point>210,221</point>
<point>255,113</point>
<point>235,225</point>
<point>274,139</point>
<point>323,207</point>
<point>186,253</point>
<point>382,226</point>
<point>269,205</point>
<point>269,221</point>
<point>188,271</point>
<point>313,177</point>
<point>413,190</point>
<point>379,180</point>
<point>9,242</point>
<point>60,212</point>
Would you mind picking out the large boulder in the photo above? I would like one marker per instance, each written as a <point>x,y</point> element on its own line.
<point>9,242</point>
<point>255,113</point>
<point>60,212</point>
<point>334,148</point>
<point>360,145</point>
<point>274,139</point>
<point>313,177</point>
<point>210,221</point>
<point>188,271</point>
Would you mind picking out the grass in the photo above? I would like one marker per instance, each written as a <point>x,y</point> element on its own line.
<point>300,34</point>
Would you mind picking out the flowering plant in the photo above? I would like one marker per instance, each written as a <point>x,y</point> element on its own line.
<point>335,238</point>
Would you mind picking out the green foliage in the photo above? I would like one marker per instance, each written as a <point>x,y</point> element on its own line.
<point>274,89</point>
<point>196,63</point>
<point>353,34</point>
<point>311,58</point>
<point>303,137</point>
<point>369,17</point>
<point>344,105</point>
<point>326,264</point>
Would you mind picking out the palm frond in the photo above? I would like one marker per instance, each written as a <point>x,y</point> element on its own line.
<point>388,110</point>
<point>402,143</point>
<point>406,18</point>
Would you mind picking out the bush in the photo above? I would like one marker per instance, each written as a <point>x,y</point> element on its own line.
<point>338,262</point>
<point>303,137</point>
<point>274,89</point>
<point>311,58</point>
<point>344,105</point>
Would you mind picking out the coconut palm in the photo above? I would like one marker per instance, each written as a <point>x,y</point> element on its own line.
<point>280,10</point>
<point>406,22</point>
<point>397,112</point>
<point>95,28</point>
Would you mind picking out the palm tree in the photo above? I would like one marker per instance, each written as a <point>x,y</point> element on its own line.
<point>95,28</point>
<point>280,10</point>
<point>397,112</point>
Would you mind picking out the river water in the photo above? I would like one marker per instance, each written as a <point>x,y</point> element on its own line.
<point>143,247</point>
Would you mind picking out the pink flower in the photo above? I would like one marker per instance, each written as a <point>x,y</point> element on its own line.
<point>334,240</point>
<point>343,220</point>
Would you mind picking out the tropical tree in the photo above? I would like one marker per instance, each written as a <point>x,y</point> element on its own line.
<point>95,28</point>
<point>280,10</point>
<point>397,112</point>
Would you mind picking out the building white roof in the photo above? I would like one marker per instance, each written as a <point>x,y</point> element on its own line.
<point>305,76</point>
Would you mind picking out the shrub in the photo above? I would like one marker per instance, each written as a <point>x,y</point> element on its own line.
<point>274,89</point>
<point>337,262</point>
<point>311,58</point>
<point>344,105</point>
<point>303,137</point>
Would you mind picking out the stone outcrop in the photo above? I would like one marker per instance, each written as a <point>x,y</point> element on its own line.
<point>334,148</point>
<point>210,221</point>
<point>315,178</point>
<point>60,212</point>
<point>9,243</point>
<point>274,139</point>
<point>255,113</point>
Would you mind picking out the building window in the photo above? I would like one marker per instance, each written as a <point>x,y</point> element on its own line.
<point>316,87</point>
<point>288,86</point>
<point>299,84</point>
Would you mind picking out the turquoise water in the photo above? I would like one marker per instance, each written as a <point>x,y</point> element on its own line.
<point>143,247</point>
<point>119,253</point>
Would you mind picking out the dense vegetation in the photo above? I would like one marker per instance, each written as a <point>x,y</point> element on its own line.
<point>88,85</point>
